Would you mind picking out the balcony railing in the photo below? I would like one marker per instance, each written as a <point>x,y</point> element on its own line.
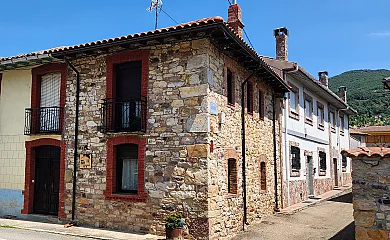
<point>45,120</point>
<point>124,116</point>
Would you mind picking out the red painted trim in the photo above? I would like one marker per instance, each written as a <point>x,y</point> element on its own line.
<point>109,193</point>
<point>30,174</point>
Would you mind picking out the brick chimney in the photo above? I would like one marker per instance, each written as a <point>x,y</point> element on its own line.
<point>281,35</point>
<point>235,18</point>
<point>323,78</point>
<point>343,93</point>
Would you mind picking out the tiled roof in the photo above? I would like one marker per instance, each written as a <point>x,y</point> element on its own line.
<point>375,129</point>
<point>162,30</point>
<point>367,152</point>
<point>356,132</point>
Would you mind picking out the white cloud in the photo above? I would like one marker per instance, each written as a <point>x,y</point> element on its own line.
<point>380,34</point>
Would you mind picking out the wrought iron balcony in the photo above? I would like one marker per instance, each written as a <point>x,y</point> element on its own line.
<point>124,116</point>
<point>45,120</point>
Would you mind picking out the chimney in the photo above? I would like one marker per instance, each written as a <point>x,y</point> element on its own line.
<point>323,77</point>
<point>281,35</point>
<point>235,18</point>
<point>343,93</point>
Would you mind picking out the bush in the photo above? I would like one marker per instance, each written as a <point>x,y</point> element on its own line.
<point>174,220</point>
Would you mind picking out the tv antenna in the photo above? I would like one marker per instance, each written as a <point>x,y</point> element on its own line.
<point>157,6</point>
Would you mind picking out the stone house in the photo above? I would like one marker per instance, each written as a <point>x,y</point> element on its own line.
<point>119,132</point>
<point>371,199</point>
<point>315,129</point>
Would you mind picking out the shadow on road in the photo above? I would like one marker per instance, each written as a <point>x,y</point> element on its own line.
<point>348,233</point>
<point>347,198</point>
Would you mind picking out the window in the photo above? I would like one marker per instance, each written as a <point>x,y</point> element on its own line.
<point>230,87</point>
<point>249,97</point>
<point>320,115</point>
<point>261,105</point>
<point>263,176</point>
<point>344,163</point>
<point>295,159</point>
<point>342,126</point>
<point>232,176</point>
<point>294,102</point>
<point>322,160</point>
<point>127,168</point>
<point>308,109</point>
<point>332,120</point>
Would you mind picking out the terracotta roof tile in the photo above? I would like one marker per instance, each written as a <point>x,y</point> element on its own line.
<point>375,129</point>
<point>367,152</point>
<point>357,132</point>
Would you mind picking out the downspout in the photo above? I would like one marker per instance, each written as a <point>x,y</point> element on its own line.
<point>245,222</point>
<point>76,133</point>
<point>275,153</point>
<point>339,145</point>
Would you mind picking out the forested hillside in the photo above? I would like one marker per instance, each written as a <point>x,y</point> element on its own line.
<point>365,94</point>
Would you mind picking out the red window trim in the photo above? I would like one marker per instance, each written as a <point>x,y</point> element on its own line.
<point>109,193</point>
<point>38,72</point>
<point>30,174</point>
<point>127,56</point>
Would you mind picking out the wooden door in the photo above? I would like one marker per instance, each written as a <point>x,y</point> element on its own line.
<point>47,180</point>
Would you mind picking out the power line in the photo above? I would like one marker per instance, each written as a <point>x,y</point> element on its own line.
<point>249,40</point>
<point>169,16</point>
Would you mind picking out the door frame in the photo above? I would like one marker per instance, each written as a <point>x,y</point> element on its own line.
<point>335,172</point>
<point>30,174</point>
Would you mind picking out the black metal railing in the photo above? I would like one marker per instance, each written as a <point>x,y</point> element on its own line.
<point>45,120</point>
<point>124,115</point>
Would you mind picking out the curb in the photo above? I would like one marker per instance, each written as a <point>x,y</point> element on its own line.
<point>342,192</point>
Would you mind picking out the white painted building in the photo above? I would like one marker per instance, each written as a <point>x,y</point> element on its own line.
<point>315,130</point>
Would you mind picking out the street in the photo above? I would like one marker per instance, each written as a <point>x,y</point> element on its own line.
<point>9,233</point>
<point>331,219</point>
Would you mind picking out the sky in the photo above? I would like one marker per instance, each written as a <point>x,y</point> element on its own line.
<point>332,35</point>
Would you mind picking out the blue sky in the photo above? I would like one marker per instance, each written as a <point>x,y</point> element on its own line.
<point>333,35</point>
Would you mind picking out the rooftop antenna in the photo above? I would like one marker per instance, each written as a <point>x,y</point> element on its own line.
<point>155,5</point>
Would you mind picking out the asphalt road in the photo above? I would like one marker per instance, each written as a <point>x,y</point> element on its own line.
<point>331,220</point>
<point>19,234</point>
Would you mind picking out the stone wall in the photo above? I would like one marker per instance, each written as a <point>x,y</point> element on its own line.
<point>226,209</point>
<point>175,179</point>
<point>298,192</point>
<point>371,199</point>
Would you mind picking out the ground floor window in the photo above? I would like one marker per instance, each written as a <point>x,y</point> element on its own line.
<point>344,163</point>
<point>263,176</point>
<point>127,168</point>
<point>232,176</point>
<point>295,160</point>
<point>322,161</point>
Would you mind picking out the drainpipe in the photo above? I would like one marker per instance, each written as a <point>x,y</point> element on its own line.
<point>339,145</point>
<point>275,153</point>
<point>76,133</point>
<point>245,222</point>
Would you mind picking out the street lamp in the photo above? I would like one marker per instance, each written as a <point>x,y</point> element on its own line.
<point>386,83</point>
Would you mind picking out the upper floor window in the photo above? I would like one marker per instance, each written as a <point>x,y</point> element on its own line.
<point>342,124</point>
<point>344,163</point>
<point>232,176</point>
<point>308,109</point>
<point>230,87</point>
<point>294,102</point>
<point>332,120</point>
<point>261,105</point>
<point>322,161</point>
<point>249,98</point>
<point>295,159</point>
<point>320,115</point>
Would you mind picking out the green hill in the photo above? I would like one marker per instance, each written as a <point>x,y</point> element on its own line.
<point>365,94</point>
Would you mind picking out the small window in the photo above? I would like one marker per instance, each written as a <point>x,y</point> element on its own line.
<point>263,176</point>
<point>342,124</point>
<point>322,160</point>
<point>332,119</point>
<point>295,158</point>
<point>127,168</point>
<point>261,105</point>
<point>230,87</point>
<point>308,109</point>
<point>232,176</point>
<point>249,98</point>
<point>293,102</point>
<point>344,163</point>
<point>320,117</point>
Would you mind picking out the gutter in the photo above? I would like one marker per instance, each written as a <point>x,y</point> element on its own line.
<point>76,133</point>
<point>245,220</point>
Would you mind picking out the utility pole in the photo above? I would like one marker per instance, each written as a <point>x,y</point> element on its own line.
<point>157,6</point>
